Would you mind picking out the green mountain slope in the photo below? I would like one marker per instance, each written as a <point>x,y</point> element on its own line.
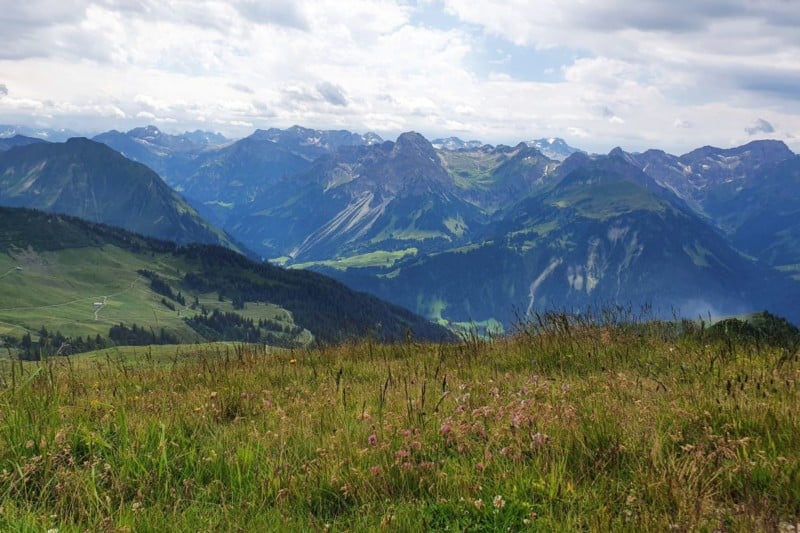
<point>495,177</point>
<point>89,180</point>
<point>80,279</point>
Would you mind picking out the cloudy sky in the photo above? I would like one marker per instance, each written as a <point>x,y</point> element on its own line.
<point>599,73</point>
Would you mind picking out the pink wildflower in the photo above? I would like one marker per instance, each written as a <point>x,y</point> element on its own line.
<point>373,439</point>
<point>539,439</point>
<point>375,470</point>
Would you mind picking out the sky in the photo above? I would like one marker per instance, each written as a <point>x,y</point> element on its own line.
<point>599,73</point>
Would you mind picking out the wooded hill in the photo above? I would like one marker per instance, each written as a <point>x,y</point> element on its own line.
<point>78,279</point>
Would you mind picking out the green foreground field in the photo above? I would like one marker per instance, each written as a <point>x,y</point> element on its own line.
<point>564,426</point>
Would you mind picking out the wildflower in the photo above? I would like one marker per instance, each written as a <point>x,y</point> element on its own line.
<point>539,439</point>
<point>292,361</point>
<point>480,467</point>
<point>373,439</point>
<point>401,454</point>
<point>446,429</point>
<point>498,502</point>
<point>478,503</point>
<point>375,470</point>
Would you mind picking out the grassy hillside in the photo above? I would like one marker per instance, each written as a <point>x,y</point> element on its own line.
<point>79,279</point>
<point>58,290</point>
<point>570,425</point>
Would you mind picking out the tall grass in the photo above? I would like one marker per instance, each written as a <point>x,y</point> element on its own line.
<point>598,422</point>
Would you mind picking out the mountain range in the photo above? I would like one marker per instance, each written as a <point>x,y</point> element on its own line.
<point>601,235</point>
<point>465,232</point>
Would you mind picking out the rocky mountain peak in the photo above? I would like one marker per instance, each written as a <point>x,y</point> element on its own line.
<point>412,143</point>
<point>145,132</point>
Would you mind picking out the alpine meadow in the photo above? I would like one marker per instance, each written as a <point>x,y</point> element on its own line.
<point>401,265</point>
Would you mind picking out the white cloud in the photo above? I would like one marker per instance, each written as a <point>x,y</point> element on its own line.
<point>759,126</point>
<point>624,73</point>
<point>578,132</point>
<point>332,93</point>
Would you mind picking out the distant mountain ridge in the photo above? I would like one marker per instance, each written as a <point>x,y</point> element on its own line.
<point>553,147</point>
<point>223,177</point>
<point>454,143</point>
<point>46,134</point>
<point>7,143</point>
<point>750,192</point>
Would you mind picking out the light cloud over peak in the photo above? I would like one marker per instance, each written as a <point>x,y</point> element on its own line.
<point>760,126</point>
